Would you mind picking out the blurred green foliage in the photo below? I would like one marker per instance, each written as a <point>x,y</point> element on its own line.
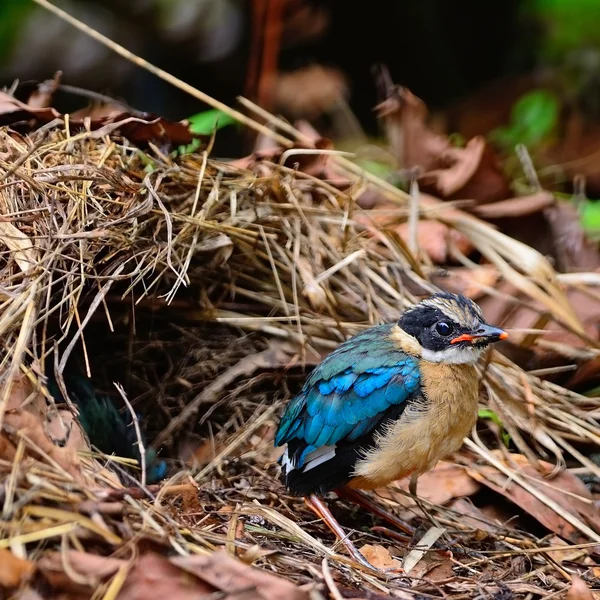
<point>533,121</point>
<point>568,24</point>
<point>13,16</point>
<point>589,212</point>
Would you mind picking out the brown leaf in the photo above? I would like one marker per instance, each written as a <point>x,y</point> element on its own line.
<point>443,483</point>
<point>229,575</point>
<point>435,239</point>
<point>413,143</point>
<point>466,281</point>
<point>472,516</point>
<point>462,165</point>
<point>380,557</point>
<point>562,489</point>
<point>14,570</point>
<point>579,590</point>
<point>472,172</point>
<point>139,130</point>
<point>32,422</point>
<point>154,576</point>
<point>310,91</point>
<point>432,568</point>
<point>515,207</point>
<point>573,251</point>
<point>92,570</point>
<point>42,96</point>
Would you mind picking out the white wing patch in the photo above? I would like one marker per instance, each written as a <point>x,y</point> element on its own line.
<point>314,459</point>
<point>318,457</point>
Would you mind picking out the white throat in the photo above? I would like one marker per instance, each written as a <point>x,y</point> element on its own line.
<point>458,355</point>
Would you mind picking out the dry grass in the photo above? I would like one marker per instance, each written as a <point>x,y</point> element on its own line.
<point>203,289</point>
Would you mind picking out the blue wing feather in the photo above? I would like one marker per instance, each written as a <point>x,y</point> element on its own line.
<point>346,395</point>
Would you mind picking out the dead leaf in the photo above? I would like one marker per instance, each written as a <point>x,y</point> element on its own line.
<point>473,517</point>
<point>436,240</point>
<point>579,590</point>
<point>565,489</point>
<point>433,568</point>
<point>92,569</point>
<point>26,415</point>
<point>310,91</point>
<point>462,164</point>
<point>229,575</point>
<point>14,570</point>
<point>466,281</point>
<point>572,249</point>
<point>380,557</point>
<point>412,142</point>
<point>472,172</point>
<point>42,95</point>
<point>443,483</point>
<point>137,129</point>
<point>515,207</point>
<point>154,576</point>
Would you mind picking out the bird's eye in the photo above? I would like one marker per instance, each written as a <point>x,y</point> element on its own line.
<point>444,328</point>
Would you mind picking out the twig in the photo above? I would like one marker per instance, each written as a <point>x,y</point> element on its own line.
<point>333,589</point>
<point>138,432</point>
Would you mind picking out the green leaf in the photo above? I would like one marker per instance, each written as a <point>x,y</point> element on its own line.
<point>188,148</point>
<point>533,119</point>
<point>590,215</point>
<point>536,114</point>
<point>375,167</point>
<point>488,413</point>
<point>206,122</point>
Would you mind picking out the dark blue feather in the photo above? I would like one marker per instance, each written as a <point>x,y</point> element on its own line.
<point>346,396</point>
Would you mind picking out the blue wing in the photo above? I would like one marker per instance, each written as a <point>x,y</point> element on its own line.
<point>346,396</point>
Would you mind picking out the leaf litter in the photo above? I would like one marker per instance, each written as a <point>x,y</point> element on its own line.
<point>208,289</point>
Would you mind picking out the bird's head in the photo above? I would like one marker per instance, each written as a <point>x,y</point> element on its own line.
<point>449,328</point>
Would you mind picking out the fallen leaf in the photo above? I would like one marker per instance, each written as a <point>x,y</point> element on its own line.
<point>42,95</point>
<point>433,237</point>
<point>566,489</point>
<point>443,483</point>
<point>473,517</point>
<point>462,164</point>
<point>436,240</point>
<point>432,568</point>
<point>310,91</point>
<point>92,569</point>
<point>411,140</point>
<point>31,423</point>
<point>154,576</point>
<point>515,207</point>
<point>469,282</point>
<point>138,129</point>
<point>380,557</point>
<point>573,251</point>
<point>14,570</point>
<point>229,575</point>
<point>579,590</point>
<point>445,170</point>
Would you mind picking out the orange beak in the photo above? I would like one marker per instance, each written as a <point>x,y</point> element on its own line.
<point>485,332</point>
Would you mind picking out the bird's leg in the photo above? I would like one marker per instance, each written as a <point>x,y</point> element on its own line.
<point>320,509</point>
<point>365,502</point>
<point>412,488</point>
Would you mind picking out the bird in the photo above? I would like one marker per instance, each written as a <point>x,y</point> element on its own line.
<point>388,403</point>
<point>106,428</point>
